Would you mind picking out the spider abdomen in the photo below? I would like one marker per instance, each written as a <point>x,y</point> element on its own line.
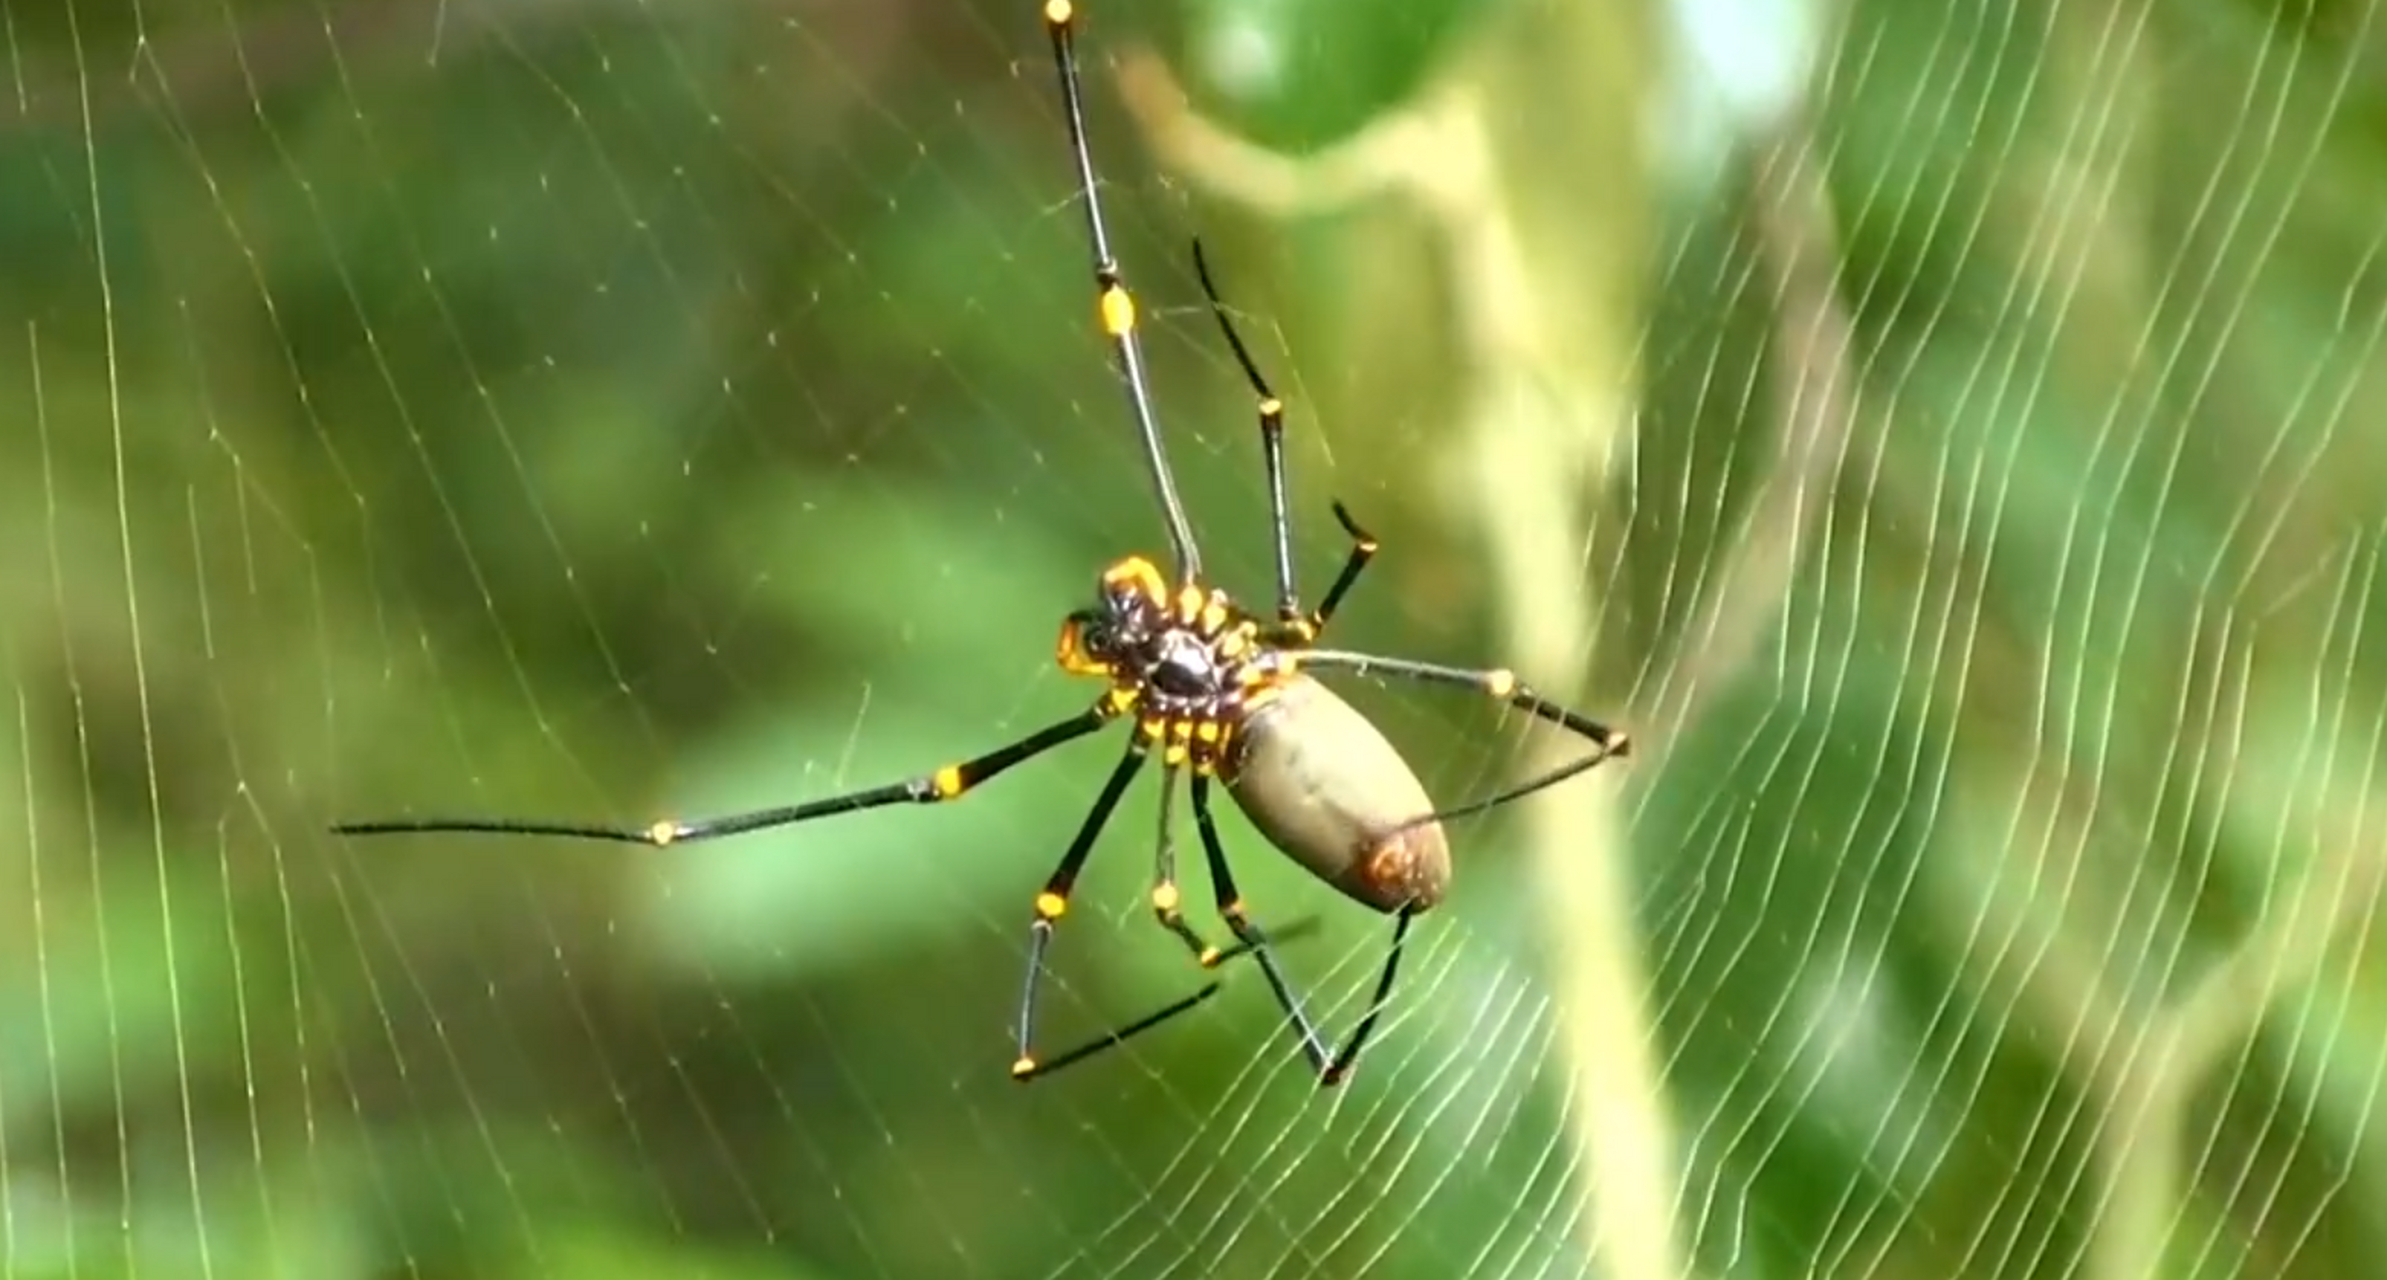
<point>1326,787</point>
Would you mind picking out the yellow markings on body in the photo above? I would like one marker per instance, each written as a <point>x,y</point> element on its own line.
<point>1211,756</point>
<point>663,833</point>
<point>1119,701</point>
<point>1500,682</point>
<point>1271,406</point>
<point>1175,754</point>
<point>1214,615</point>
<point>949,782</point>
<point>1025,1066</point>
<point>1152,727</point>
<point>1138,574</point>
<point>1189,604</point>
<point>1118,311</point>
<point>1051,906</point>
<point>1165,898</point>
<point>1236,643</point>
<point>1287,664</point>
<point>1260,689</point>
<point>1059,12</point>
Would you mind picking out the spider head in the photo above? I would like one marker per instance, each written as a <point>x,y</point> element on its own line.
<point>1130,607</point>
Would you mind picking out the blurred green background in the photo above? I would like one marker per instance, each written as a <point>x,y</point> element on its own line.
<point>1943,431</point>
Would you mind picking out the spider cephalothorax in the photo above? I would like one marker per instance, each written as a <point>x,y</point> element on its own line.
<point>1189,663</point>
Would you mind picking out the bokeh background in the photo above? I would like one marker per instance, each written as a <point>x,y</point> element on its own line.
<point>1944,432</point>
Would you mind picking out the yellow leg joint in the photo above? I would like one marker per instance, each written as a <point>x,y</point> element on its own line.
<point>1058,12</point>
<point>1210,957</point>
<point>663,833</point>
<point>1118,308</point>
<point>949,782</point>
<point>1023,1068</point>
<point>1051,906</point>
<point>1500,683</point>
<point>1165,899</point>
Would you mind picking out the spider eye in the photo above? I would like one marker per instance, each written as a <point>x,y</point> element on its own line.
<point>1084,648</point>
<point>1093,631</point>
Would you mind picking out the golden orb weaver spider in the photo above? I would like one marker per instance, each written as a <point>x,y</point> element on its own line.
<point>1217,692</point>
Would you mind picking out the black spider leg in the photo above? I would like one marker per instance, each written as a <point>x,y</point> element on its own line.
<point>1053,902</point>
<point>1331,1068</point>
<point>1168,901</point>
<point>1363,549</point>
<point>1272,444</point>
<point>1495,682</point>
<point>1348,1056</point>
<point>1116,305</point>
<point>938,785</point>
<point>1291,622</point>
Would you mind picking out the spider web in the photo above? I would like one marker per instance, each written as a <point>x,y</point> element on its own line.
<point>1938,432</point>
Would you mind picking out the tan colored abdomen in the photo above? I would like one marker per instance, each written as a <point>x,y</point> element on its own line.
<point>1328,790</point>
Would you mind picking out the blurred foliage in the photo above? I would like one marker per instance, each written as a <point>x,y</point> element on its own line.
<point>603,410</point>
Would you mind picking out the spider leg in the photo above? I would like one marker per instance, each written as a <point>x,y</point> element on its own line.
<point>1495,682</point>
<point>1053,902</point>
<point>1348,1056</point>
<point>1363,549</point>
<point>1292,623</point>
<point>1168,902</point>
<point>1331,1067</point>
<point>1272,445</point>
<point>948,783</point>
<point>1115,305</point>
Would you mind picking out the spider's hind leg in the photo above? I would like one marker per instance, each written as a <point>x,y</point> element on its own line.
<point>1331,1066</point>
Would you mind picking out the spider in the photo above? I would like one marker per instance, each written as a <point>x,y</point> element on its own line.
<point>1215,692</point>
